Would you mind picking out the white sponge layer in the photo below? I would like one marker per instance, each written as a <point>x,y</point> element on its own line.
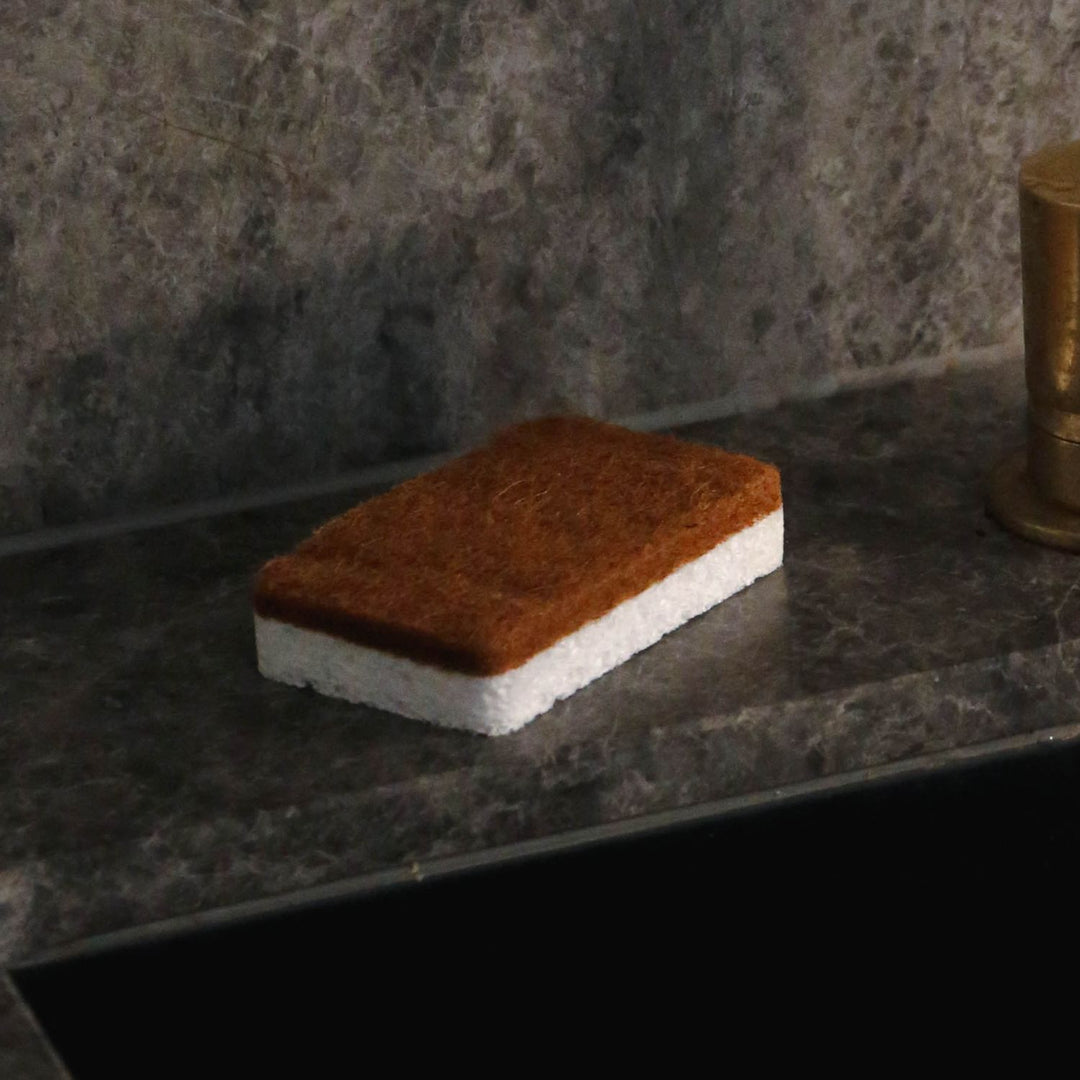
<point>497,704</point>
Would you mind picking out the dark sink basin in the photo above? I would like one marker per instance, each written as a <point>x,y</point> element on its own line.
<point>532,944</point>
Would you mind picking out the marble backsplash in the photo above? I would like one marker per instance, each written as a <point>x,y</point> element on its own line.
<point>248,242</point>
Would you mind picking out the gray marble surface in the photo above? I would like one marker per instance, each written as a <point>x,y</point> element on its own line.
<point>147,771</point>
<point>245,243</point>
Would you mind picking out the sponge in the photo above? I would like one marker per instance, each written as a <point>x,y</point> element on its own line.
<point>479,594</point>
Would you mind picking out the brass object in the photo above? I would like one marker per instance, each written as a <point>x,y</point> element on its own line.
<point>1014,500</point>
<point>1036,493</point>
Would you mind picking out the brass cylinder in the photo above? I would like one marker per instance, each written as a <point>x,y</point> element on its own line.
<point>1035,492</point>
<point>1050,256</point>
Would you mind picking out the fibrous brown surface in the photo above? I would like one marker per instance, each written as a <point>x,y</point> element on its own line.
<point>486,561</point>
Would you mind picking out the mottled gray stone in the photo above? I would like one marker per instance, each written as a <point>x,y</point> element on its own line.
<point>246,244</point>
<point>147,770</point>
<point>24,1052</point>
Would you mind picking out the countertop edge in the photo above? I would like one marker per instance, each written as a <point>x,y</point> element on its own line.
<point>434,869</point>
<point>25,1052</point>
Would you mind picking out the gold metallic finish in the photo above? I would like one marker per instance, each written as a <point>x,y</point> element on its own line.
<point>1037,493</point>
<point>1053,465</point>
<point>1016,503</point>
<point>1062,424</point>
<point>1053,174</point>
<point>1050,256</point>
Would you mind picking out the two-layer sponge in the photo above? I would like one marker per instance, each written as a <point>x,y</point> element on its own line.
<point>479,594</point>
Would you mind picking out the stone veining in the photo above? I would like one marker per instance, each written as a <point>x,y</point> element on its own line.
<point>245,243</point>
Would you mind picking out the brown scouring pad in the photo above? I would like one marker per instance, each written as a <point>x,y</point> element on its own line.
<point>484,565</point>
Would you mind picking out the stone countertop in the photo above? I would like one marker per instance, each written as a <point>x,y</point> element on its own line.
<point>148,772</point>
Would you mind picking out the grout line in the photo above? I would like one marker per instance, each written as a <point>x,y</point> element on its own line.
<point>388,473</point>
<point>672,416</point>
<point>755,400</point>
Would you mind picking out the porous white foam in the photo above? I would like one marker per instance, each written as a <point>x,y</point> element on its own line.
<point>497,704</point>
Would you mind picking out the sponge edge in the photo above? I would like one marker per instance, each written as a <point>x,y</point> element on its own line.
<point>499,704</point>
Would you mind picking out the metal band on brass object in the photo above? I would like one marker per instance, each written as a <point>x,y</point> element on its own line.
<point>1037,493</point>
